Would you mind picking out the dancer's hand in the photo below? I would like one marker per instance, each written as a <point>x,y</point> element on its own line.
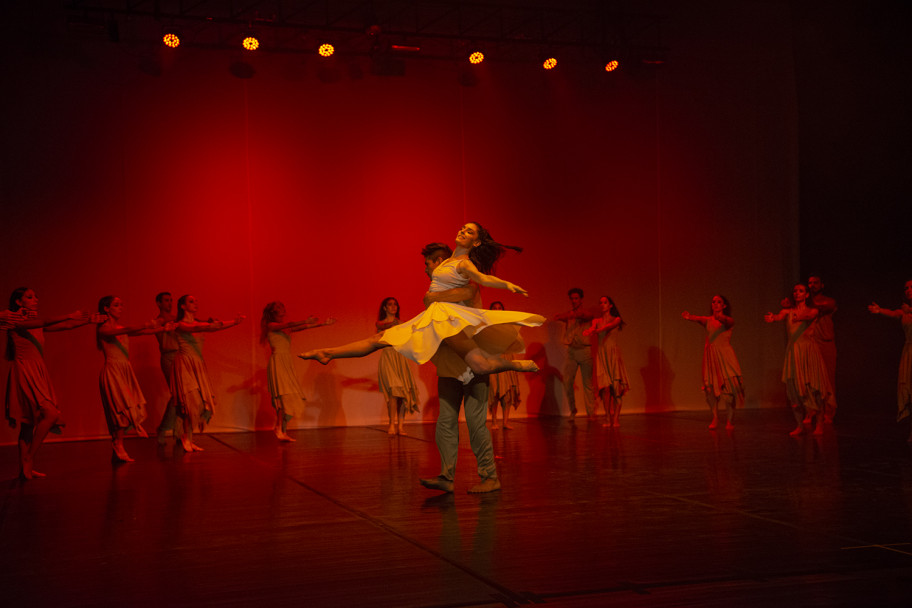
<point>873,307</point>
<point>517,289</point>
<point>685,315</point>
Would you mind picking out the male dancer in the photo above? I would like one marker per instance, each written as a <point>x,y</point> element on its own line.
<point>579,350</point>
<point>452,392</point>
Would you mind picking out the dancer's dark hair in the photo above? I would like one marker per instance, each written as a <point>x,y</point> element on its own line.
<point>270,312</point>
<point>436,250</point>
<point>382,313</point>
<point>486,253</point>
<point>613,311</point>
<point>726,307</point>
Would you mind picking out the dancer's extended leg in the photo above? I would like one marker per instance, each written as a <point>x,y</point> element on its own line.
<point>361,348</point>
<point>482,362</point>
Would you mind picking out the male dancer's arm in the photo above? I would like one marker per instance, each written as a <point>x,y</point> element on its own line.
<point>467,295</point>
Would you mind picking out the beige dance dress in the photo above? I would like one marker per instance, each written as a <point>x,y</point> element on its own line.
<point>804,371</point>
<point>28,386</point>
<point>610,370</point>
<point>904,386</point>
<point>395,379</point>
<point>504,387</point>
<point>721,371</point>
<point>284,388</point>
<point>123,401</point>
<point>189,374</point>
<point>496,331</point>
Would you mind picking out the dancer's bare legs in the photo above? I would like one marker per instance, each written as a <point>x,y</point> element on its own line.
<point>479,361</point>
<point>120,452</point>
<point>31,438</point>
<point>798,413</point>
<point>392,407</point>
<point>713,403</point>
<point>193,407</point>
<point>730,402</point>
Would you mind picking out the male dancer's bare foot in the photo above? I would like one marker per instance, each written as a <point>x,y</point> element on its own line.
<point>525,365</point>
<point>437,483</point>
<point>322,356</point>
<point>488,485</point>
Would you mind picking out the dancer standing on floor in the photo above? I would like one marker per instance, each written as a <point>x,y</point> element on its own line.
<point>904,383</point>
<point>503,389</point>
<point>30,399</point>
<point>393,373</point>
<point>168,346</point>
<point>579,351</point>
<point>284,389</point>
<point>453,324</point>
<point>721,372</point>
<point>190,384</point>
<point>123,401</point>
<point>804,373</point>
<point>611,374</point>
<point>825,335</point>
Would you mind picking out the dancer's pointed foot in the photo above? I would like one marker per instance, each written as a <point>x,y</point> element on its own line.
<point>283,436</point>
<point>391,430</point>
<point>196,448</point>
<point>495,426</point>
<point>120,455</point>
<point>799,430</point>
<point>818,430</point>
<point>507,425</point>
<point>714,424</point>
<point>729,426</point>
<point>320,355</point>
<point>400,429</point>
<point>525,365</point>
<point>437,483</point>
<point>141,431</point>
<point>488,485</point>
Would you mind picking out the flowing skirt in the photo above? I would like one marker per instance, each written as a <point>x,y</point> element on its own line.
<point>123,401</point>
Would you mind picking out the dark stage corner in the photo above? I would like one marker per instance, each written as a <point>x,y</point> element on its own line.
<point>660,512</point>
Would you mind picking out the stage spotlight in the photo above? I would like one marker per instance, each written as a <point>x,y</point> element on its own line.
<point>550,63</point>
<point>612,65</point>
<point>476,57</point>
<point>326,50</point>
<point>250,43</point>
<point>171,40</point>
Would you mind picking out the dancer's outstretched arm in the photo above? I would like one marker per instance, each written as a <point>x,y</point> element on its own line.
<point>467,269</point>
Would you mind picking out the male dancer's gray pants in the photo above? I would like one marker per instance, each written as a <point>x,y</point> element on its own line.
<point>451,392</point>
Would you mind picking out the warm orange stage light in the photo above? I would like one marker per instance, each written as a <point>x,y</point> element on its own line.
<point>549,63</point>
<point>250,43</point>
<point>326,50</point>
<point>611,66</point>
<point>171,41</point>
<point>476,57</point>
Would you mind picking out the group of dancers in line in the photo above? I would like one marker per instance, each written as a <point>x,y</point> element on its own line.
<point>484,340</point>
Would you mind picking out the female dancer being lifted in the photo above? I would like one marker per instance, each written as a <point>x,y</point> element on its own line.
<point>457,325</point>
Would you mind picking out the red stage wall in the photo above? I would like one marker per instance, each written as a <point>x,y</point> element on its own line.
<point>659,187</point>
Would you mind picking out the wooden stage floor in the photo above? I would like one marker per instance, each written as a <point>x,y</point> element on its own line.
<point>661,512</point>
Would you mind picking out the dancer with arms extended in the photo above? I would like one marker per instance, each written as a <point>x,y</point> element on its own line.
<point>904,384</point>
<point>168,347</point>
<point>30,399</point>
<point>611,374</point>
<point>393,374</point>
<point>804,371</point>
<point>123,401</point>
<point>286,392</point>
<point>453,324</point>
<point>721,371</point>
<point>190,384</point>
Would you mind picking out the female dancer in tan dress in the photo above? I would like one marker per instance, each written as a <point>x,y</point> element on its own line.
<point>611,374</point>
<point>190,385</point>
<point>284,389</point>
<point>503,388</point>
<point>904,384</point>
<point>804,373</point>
<point>721,371</point>
<point>30,399</point>
<point>123,401</point>
<point>393,373</point>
